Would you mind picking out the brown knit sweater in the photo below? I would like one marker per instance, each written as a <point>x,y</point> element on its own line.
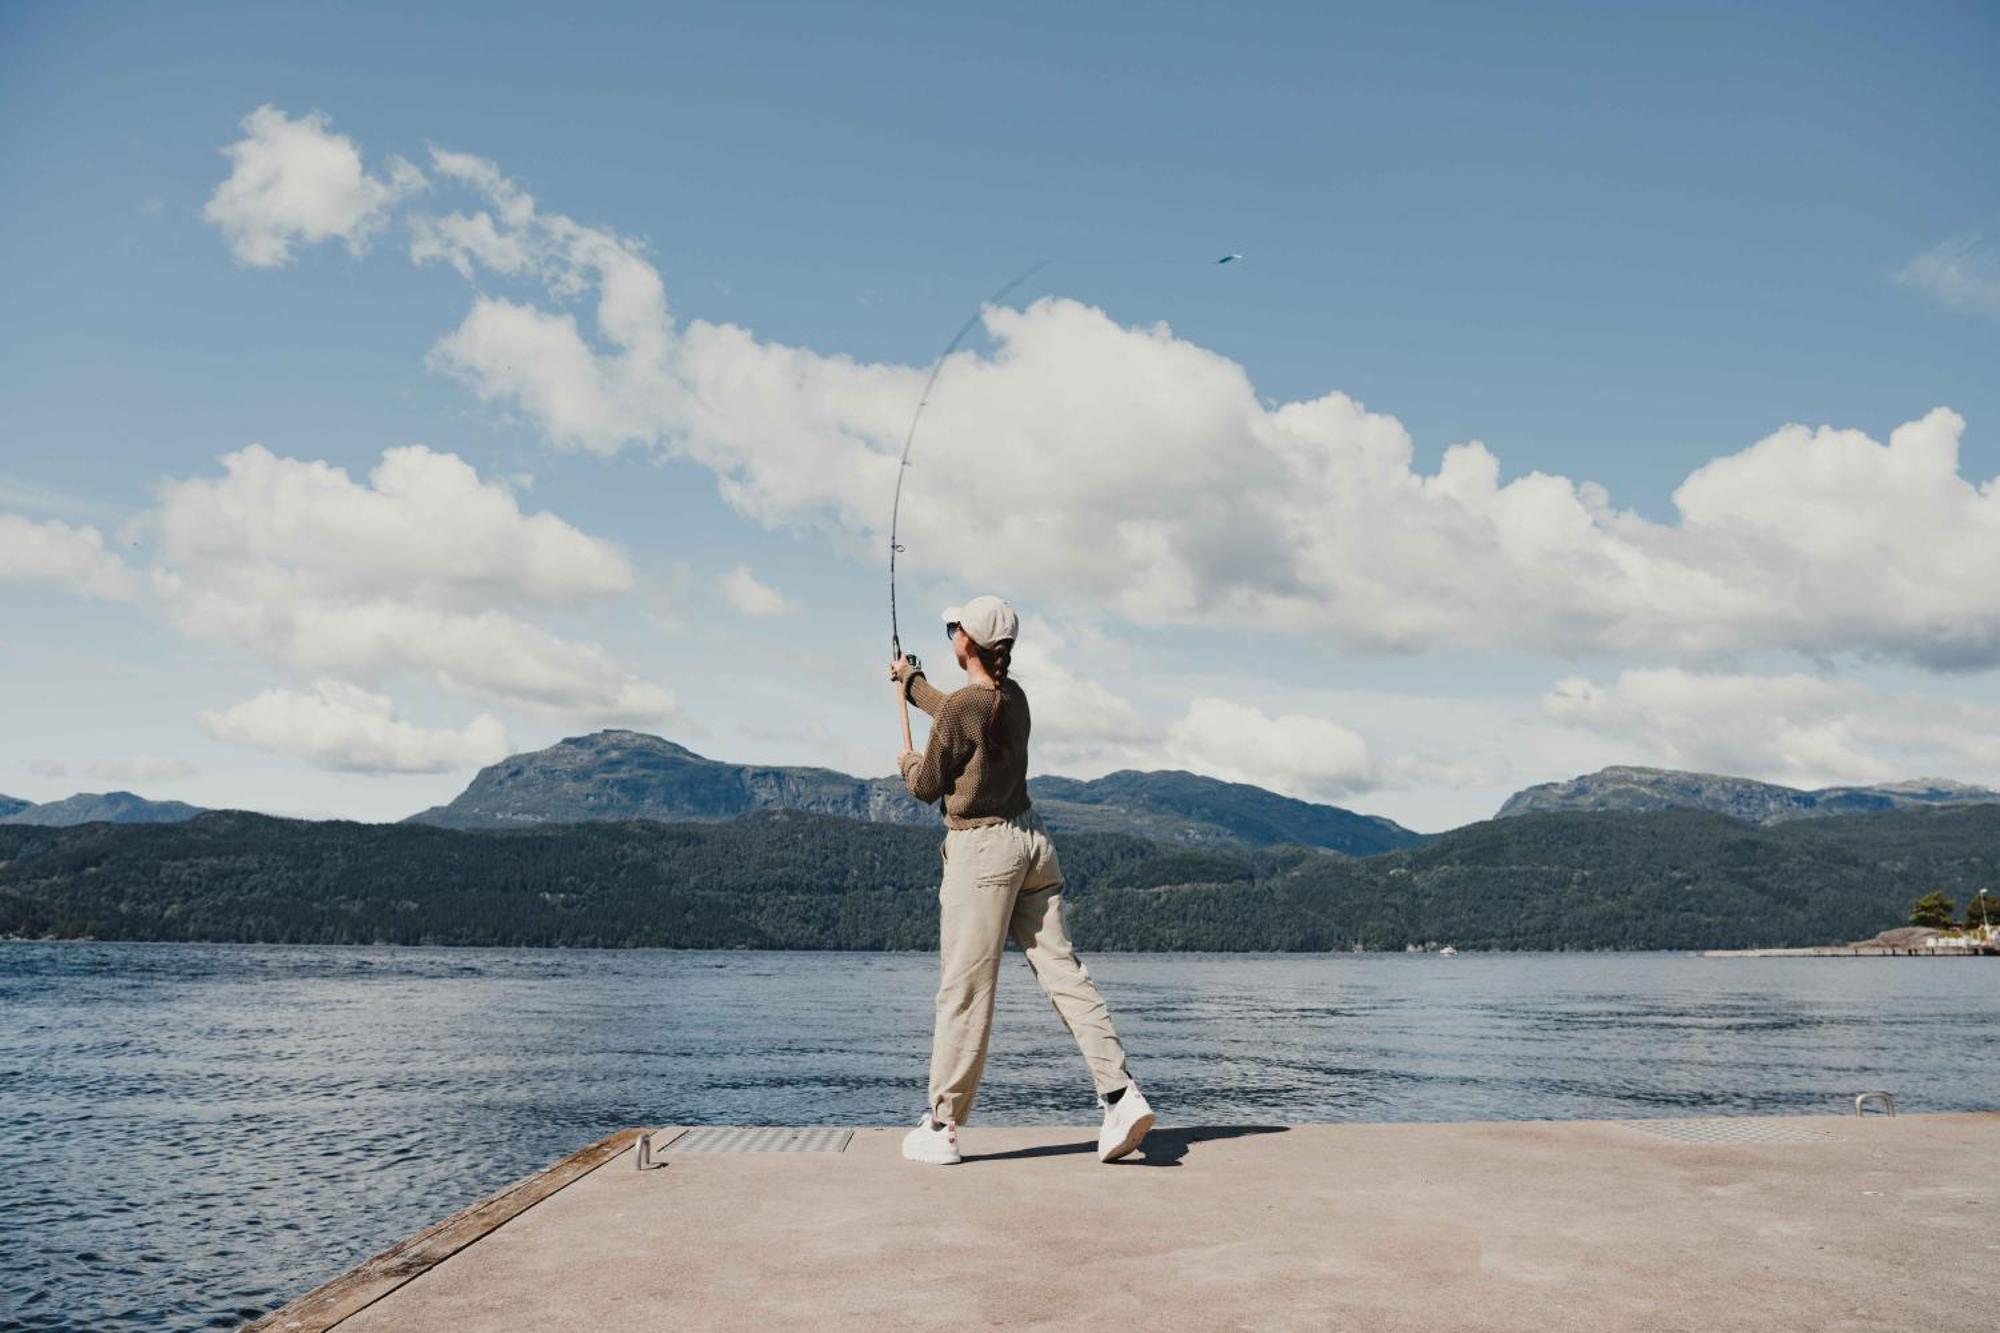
<point>982,780</point>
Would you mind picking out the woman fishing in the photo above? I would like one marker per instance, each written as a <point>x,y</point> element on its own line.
<point>1001,878</point>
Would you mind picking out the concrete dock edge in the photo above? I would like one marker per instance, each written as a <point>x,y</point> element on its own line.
<point>364,1284</point>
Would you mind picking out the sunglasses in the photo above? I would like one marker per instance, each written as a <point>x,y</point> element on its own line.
<point>951,629</point>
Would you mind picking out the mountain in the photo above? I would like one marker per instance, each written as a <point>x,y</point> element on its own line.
<point>778,879</point>
<point>1630,789</point>
<point>110,807</point>
<point>1188,808</point>
<point>618,775</point>
<point>631,775</point>
<point>12,805</point>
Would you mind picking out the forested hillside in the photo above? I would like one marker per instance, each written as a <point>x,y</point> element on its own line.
<point>1672,879</point>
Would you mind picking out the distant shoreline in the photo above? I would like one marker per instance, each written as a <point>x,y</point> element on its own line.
<point>1675,881</point>
<point>1364,954</point>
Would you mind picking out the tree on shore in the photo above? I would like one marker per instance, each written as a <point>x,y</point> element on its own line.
<point>1934,909</point>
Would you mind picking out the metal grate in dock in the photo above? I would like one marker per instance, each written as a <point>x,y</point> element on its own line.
<point>1729,1131</point>
<point>758,1138</point>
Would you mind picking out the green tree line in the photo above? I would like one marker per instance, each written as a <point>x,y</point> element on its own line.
<point>784,880</point>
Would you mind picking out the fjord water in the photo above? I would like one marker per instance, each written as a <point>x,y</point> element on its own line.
<point>196,1133</point>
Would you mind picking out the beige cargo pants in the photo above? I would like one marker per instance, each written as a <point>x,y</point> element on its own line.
<point>1001,880</point>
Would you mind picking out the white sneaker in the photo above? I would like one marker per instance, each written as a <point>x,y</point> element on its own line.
<point>1125,1123</point>
<point>937,1147</point>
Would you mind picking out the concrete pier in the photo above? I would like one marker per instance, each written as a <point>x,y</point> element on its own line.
<point>1818,1223</point>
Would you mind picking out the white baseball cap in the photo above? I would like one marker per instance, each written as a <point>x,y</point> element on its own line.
<point>985,620</point>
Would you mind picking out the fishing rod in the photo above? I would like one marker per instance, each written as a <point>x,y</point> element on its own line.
<point>896,507</point>
<point>910,438</point>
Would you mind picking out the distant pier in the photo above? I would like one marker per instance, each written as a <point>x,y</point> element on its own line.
<point>1710,1224</point>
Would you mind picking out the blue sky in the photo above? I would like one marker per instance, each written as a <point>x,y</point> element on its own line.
<point>1612,245</point>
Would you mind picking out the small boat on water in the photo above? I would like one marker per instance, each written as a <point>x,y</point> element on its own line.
<point>1447,952</point>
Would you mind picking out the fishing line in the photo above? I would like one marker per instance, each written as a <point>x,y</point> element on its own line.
<point>910,437</point>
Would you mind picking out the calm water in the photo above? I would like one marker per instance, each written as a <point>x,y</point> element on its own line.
<point>193,1134</point>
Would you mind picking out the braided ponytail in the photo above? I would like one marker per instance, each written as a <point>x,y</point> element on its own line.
<point>997,660</point>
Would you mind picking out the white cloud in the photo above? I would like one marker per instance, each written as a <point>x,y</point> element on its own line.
<point>1081,725</point>
<point>1314,758</point>
<point>753,597</point>
<point>465,241</point>
<point>422,569</point>
<point>297,181</point>
<point>1797,729</point>
<point>57,553</point>
<point>425,568</point>
<point>1828,541</point>
<point>483,652</point>
<point>425,528</point>
<point>1963,272</point>
<point>339,726</point>
<point>1144,473</point>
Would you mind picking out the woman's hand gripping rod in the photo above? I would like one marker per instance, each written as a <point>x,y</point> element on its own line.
<point>901,681</point>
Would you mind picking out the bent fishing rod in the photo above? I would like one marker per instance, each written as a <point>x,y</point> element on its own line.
<point>910,438</point>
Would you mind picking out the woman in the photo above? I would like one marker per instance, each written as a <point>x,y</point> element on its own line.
<point>1001,877</point>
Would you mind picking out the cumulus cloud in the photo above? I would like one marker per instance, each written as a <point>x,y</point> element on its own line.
<point>1962,272</point>
<point>1315,758</point>
<point>295,180</point>
<point>426,527</point>
<point>55,553</point>
<point>753,597</point>
<point>424,568</point>
<point>1082,726</point>
<point>1146,474</point>
<point>1793,728</point>
<point>340,726</point>
<point>1829,540</point>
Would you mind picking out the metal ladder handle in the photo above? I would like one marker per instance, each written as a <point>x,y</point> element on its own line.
<point>1887,1099</point>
